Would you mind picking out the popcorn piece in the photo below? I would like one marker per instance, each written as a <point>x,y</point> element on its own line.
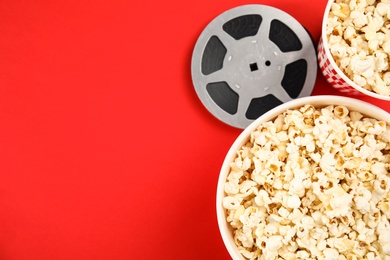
<point>231,202</point>
<point>331,254</point>
<point>362,200</point>
<point>293,202</point>
<point>341,111</point>
<point>359,19</point>
<point>232,187</point>
<point>340,10</point>
<point>274,243</point>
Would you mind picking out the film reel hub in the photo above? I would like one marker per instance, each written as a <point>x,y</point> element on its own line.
<point>250,59</point>
<point>254,62</point>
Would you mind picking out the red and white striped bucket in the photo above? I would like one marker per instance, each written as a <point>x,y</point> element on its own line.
<point>332,72</point>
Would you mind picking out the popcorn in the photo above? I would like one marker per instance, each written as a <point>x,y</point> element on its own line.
<point>312,184</point>
<point>293,202</point>
<point>340,202</point>
<point>274,243</point>
<point>331,254</point>
<point>359,41</point>
<point>231,202</point>
<point>362,200</point>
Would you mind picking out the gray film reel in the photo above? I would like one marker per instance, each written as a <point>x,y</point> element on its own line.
<point>250,59</point>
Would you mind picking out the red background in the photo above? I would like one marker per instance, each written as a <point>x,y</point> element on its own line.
<point>106,150</point>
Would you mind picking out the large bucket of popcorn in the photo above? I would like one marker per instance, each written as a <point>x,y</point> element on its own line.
<point>309,179</point>
<point>354,48</point>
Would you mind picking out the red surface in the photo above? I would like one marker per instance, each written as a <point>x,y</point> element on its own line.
<point>106,151</point>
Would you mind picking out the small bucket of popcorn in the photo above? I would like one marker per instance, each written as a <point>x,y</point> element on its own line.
<point>309,179</point>
<point>354,48</point>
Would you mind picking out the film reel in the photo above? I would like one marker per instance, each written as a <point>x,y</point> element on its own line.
<point>250,59</point>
